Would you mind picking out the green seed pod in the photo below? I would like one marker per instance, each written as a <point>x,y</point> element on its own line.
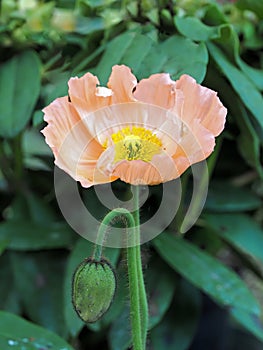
<point>93,289</point>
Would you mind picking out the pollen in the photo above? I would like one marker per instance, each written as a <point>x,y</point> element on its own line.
<point>135,143</point>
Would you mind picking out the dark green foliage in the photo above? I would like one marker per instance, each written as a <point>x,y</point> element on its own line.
<point>219,261</point>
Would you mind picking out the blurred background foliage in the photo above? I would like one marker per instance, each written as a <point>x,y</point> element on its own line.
<point>205,288</point>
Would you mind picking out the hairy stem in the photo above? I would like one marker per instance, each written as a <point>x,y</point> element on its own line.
<point>141,285</point>
<point>138,298</point>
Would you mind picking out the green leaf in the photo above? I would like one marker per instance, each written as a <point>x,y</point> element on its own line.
<point>15,343</point>
<point>24,235</point>
<point>129,48</point>
<point>9,298</point>
<point>57,85</point>
<point>95,3</point>
<point>145,57</point>
<point>33,143</point>
<point>160,285</point>
<point>224,197</point>
<point>177,55</point>
<point>239,230</point>
<point>229,42</point>
<point>252,5</point>
<point>206,273</point>
<point>159,299</point>
<point>18,209</point>
<point>249,142</point>
<point>37,118</point>
<point>19,91</point>
<point>214,15</point>
<point>3,245</point>
<point>250,96</point>
<point>40,287</point>
<point>88,25</point>
<point>82,250</point>
<point>178,328</point>
<point>224,34</point>
<point>35,163</point>
<point>32,225</point>
<point>16,333</point>
<point>203,238</point>
<point>249,321</point>
<point>119,336</point>
<point>33,146</point>
<point>153,15</point>
<point>255,75</point>
<point>137,53</point>
<point>39,210</point>
<point>194,29</point>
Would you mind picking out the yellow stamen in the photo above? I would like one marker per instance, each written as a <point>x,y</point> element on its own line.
<point>135,143</point>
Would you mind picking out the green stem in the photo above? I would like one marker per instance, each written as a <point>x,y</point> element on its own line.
<point>80,67</point>
<point>138,298</point>
<point>135,313</point>
<point>106,223</point>
<point>51,62</point>
<point>141,285</point>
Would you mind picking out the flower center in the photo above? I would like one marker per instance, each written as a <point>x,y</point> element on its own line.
<point>135,143</point>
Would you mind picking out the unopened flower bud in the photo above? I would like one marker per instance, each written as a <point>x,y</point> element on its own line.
<point>93,289</point>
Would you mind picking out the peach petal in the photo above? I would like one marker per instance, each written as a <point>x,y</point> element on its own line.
<point>89,175</point>
<point>69,138</point>
<point>164,124</point>
<point>86,96</point>
<point>122,83</point>
<point>159,170</point>
<point>105,162</point>
<point>158,89</point>
<point>162,168</point>
<point>197,102</point>
<point>104,122</point>
<point>137,172</point>
<point>185,117</point>
<point>195,145</point>
<point>166,166</point>
<point>61,117</point>
<point>76,155</point>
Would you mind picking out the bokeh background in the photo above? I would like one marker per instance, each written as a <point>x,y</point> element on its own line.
<point>205,287</point>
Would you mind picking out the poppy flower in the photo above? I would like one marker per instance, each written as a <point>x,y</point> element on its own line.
<point>145,132</point>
